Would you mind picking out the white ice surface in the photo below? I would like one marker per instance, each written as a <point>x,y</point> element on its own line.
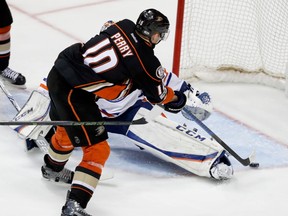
<point>246,117</point>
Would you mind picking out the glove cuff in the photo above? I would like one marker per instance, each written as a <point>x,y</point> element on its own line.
<point>176,106</point>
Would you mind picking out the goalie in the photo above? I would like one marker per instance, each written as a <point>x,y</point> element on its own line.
<point>168,139</point>
<point>174,143</point>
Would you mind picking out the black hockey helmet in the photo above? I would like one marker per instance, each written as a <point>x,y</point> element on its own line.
<point>151,21</point>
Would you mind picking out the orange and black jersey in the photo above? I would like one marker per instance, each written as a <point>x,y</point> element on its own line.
<point>113,64</point>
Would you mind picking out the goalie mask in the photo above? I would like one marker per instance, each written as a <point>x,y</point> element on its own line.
<point>152,21</point>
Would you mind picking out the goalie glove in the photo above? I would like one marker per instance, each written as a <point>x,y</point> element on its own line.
<point>199,104</point>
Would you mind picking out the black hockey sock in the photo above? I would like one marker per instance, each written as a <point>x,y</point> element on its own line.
<point>54,165</point>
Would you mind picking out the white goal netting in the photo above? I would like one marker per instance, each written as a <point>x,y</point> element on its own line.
<point>236,41</point>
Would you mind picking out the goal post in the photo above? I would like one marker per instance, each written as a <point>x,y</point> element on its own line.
<point>232,40</point>
<point>178,36</point>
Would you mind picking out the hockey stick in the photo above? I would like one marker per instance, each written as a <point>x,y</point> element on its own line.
<point>243,161</point>
<point>75,123</point>
<point>9,96</point>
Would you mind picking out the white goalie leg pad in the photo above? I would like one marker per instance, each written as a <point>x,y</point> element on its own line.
<point>35,109</point>
<point>176,143</point>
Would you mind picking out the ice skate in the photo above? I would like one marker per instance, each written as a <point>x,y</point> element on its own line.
<point>13,77</point>
<point>65,175</point>
<point>222,168</point>
<point>222,171</point>
<point>73,208</point>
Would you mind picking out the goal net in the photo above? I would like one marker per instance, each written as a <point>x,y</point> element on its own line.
<point>232,40</point>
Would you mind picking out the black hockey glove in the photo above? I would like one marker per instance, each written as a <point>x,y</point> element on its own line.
<point>176,106</point>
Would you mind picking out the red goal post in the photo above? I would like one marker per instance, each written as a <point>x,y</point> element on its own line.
<point>232,40</point>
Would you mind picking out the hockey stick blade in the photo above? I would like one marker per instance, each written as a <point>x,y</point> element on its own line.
<point>140,121</point>
<point>243,161</point>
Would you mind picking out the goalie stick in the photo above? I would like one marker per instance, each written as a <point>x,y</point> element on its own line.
<point>243,161</point>
<point>9,96</point>
<point>75,123</point>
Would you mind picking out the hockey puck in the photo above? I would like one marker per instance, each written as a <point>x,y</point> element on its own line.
<point>254,165</point>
